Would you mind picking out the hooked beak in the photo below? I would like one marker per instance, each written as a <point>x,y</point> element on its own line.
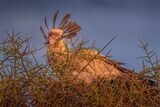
<point>47,42</point>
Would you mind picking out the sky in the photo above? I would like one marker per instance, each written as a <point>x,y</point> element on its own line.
<point>100,20</point>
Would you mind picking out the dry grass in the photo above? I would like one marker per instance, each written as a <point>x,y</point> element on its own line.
<point>24,82</point>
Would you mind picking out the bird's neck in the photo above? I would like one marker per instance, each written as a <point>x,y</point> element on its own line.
<point>56,55</point>
<point>58,47</point>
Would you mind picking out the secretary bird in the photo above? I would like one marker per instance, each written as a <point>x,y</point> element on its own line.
<point>78,64</point>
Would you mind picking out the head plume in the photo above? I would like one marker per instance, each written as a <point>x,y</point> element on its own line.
<point>66,28</point>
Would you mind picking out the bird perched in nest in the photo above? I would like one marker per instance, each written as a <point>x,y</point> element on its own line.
<point>78,64</point>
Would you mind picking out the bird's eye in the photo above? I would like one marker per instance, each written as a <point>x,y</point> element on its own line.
<point>51,33</point>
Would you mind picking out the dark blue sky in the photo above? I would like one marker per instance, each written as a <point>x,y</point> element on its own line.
<point>100,20</point>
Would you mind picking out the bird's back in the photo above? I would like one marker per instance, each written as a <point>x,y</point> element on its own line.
<point>92,65</point>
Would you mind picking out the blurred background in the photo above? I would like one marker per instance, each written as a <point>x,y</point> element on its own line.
<point>101,20</point>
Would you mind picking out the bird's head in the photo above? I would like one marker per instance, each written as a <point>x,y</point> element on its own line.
<point>66,29</point>
<point>55,35</point>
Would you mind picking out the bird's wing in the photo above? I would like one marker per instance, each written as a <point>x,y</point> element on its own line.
<point>114,63</point>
